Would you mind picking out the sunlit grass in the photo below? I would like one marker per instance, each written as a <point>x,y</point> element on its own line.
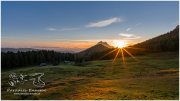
<point>155,77</point>
<point>121,51</point>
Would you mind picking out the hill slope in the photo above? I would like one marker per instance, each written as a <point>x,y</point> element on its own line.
<point>165,42</point>
<point>99,47</point>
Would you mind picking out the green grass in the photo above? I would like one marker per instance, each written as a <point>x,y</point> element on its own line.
<point>152,76</point>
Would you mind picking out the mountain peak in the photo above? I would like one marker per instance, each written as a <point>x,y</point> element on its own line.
<point>101,42</point>
<point>104,44</point>
<point>99,47</point>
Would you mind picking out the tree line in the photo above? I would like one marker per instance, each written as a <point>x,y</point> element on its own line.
<point>12,60</point>
<point>166,42</point>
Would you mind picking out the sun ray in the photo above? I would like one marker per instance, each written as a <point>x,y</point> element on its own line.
<point>116,56</point>
<point>121,46</point>
<point>122,55</point>
<point>108,53</point>
<point>130,54</point>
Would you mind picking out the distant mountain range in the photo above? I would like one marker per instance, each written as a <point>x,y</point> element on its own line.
<point>100,46</point>
<point>15,50</point>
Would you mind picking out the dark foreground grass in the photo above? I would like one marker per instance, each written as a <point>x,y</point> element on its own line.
<point>152,76</point>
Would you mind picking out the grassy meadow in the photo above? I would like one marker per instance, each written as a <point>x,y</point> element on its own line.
<point>150,76</point>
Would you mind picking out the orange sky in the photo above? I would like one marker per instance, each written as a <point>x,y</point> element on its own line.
<point>72,44</point>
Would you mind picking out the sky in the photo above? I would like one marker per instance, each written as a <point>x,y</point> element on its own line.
<point>79,25</point>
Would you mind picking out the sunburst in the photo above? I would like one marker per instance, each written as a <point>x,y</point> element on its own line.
<point>121,45</point>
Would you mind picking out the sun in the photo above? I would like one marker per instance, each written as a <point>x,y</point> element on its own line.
<point>119,43</point>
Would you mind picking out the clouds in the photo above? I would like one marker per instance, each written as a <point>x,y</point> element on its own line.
<point>61,29</point>
<point>126,35</point>
<point>128,29</point>
<point>104,23</point>
<point>68,29</point>
<point>129,36</point>
<point>98,24</point>
<point>51,29</point>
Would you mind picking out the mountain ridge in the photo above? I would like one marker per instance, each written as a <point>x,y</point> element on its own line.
<point>99,47</point>
<point>165,42</point>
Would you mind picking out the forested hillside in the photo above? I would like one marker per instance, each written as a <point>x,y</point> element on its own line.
<point>164,42</point>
